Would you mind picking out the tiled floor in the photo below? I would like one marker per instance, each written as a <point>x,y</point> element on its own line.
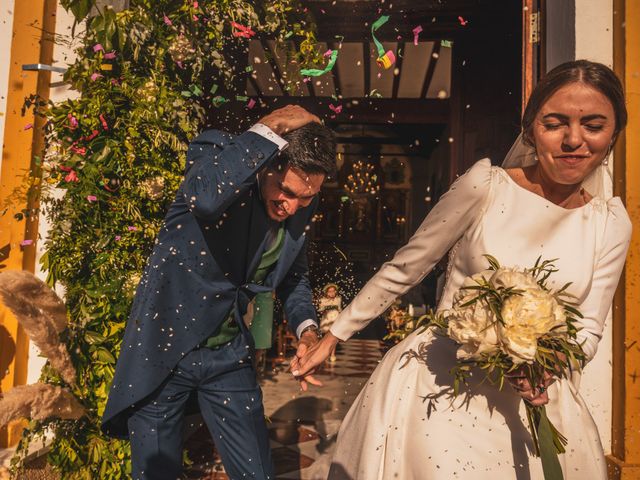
<point>303,425</point>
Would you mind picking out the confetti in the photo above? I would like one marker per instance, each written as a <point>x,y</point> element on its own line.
<point>251,104</point>
<point>109,56</point>
<point>106,66</point>
<point>71,177</point>
<point>73,122</point>
<point>335,109</point>
<point>241,30</point>
<point>132,229</point>
<point>314,72</point>
<point>103,122</point>
<point>25,243</point>
<point>28,126</point>
<point>98,48</point>
<point>92,198</point>
<point>96,76</point>
<point>118,237</point>
<point>446,43</point>
<point>242,98</point>
<point>327,53</point>
<point>416,34</point>
<point>462,21</point>
<point>167,20</point>
<point>384,59</point>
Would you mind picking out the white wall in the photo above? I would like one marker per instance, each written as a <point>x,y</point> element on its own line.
<point>594,41</point>
<point>6,30</point>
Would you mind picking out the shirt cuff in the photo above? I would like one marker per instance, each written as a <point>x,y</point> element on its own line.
<point>267,133</point>
<point>304,325</point>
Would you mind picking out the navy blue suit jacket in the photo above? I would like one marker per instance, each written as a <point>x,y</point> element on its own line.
<point>207,251</point>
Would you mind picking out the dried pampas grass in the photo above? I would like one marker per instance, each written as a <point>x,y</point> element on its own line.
<point>42,315</point>
<point>38,402</point>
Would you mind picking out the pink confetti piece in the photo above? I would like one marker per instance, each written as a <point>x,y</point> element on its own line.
<point>95,76</point>
<point>327,53</point>
<point>98,48</point>
<point>73,122</point>
<point>28,126</point>
<point>180,64</point>
<point>242,31</point>
<point>251,104</point>
<point>306,79</point>
<point>195,18</point>
<point>416,33</point>
<point>109,56</point>
<point>92,198</point>
<point>167,20</point>
<point>379,74</point>
<point>26,243</point>
<point>336,109</point>
<point>78,150</point>
<point>462,21</point>
<point>132,229</point>
<point>71,177</point>
<point>103,122</point>
<point>118,237</point>
<point>195,4</point>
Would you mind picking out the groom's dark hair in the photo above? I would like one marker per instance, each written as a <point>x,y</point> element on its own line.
<point>312,149</point>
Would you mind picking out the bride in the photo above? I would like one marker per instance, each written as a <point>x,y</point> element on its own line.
<point>548,200</point>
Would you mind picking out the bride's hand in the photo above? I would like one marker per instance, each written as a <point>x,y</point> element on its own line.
<point>536,395</point>
<point>314,356</point>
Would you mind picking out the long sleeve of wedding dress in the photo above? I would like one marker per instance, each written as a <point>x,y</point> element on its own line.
<point>607,271</point>
<point>443,226</point>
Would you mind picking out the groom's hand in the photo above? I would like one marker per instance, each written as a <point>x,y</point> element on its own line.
<point>307,341</point>
<point>306,364</point>
<point>288,118</point>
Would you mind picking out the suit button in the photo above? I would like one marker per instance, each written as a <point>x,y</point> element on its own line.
<point>260,155</point>
<point>251,164</point>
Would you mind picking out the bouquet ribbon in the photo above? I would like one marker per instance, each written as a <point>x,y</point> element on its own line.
<point>548,442</point>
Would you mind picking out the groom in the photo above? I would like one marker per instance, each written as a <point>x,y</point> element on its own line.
<point>236,228</point>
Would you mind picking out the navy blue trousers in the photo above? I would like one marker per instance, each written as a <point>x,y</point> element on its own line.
<point>230,401</point>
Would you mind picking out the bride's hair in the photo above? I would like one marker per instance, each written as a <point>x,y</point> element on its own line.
<point>594,74</point>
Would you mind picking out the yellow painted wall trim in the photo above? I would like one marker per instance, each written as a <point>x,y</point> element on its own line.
<point>624,461</point>
<point>33,25</point>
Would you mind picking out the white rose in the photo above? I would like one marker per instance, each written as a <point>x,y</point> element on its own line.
<point>526,318</point>
<point>511,277</point>
<point>473,326</point>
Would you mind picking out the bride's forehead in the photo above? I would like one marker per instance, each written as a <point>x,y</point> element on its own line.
<point>577,99</point>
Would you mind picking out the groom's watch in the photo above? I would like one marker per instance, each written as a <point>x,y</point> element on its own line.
<point>312,328</point>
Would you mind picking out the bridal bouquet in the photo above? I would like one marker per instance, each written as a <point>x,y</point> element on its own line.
<point>509,323</point>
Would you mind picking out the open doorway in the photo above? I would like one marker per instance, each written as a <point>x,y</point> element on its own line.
<point>452,97</point>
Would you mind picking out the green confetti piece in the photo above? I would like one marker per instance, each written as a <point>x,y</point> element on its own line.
<point>186,93</point>
<point>376,25</point>
<point>242,98</point>
<point>288,34</point>
<point>447,43</point>
<point>314,72</point>
<point>249,69</point>
<point>196,90</point>
<point>214,89</point>
<point>219,100</point>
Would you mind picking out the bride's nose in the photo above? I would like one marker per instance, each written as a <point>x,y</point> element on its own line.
<point>573,138</point>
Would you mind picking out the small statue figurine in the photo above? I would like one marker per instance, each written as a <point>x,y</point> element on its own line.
<point>329,307</point>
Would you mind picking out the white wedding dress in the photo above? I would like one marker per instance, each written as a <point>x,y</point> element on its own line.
<point>399,427</point>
